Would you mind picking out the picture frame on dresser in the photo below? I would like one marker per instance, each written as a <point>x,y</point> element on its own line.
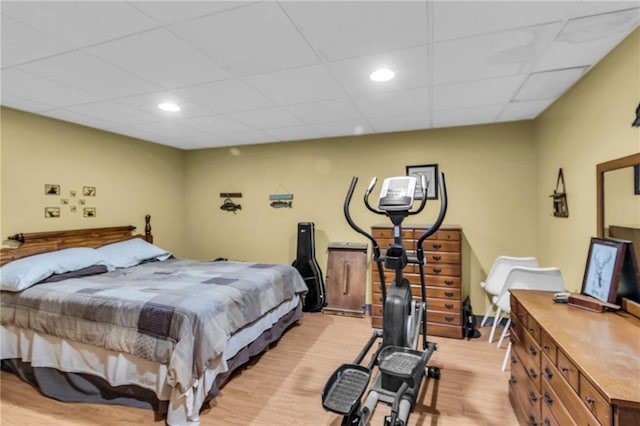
<point>430,172</point>
<point>604,269</point>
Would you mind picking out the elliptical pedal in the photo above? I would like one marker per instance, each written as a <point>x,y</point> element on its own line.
<point>344,389</point>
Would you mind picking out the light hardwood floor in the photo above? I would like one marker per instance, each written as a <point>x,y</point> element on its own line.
<point>283,385</point>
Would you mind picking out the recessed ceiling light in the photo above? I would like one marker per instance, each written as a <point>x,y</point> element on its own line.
<point>382,75</point>
<point>168,106</point>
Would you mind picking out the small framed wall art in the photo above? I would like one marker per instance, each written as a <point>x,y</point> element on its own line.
<point>430,172</point>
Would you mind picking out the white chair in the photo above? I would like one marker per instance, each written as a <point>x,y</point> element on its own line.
<point>495,281</point>
<point>543,279</point>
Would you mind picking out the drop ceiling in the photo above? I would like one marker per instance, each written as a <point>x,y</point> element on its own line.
<point>267,71</point>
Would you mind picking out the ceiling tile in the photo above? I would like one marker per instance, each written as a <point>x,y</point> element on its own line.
<point>169,12</point>
<point>340,30</point>
<point>161,58</point>
<point>457,19</point>
<point>268,118</point>
<point>80,118</point>
<point>394,103</point>
<point>586,8</point>
<point>85,72</point>
<point>34,88</point>
<point>326,111</point>
<point>307,84</point>
<point>217,124</point>
<point>548,84</point>
<point>263,39</point>
<point>402,122</point>
<point>33,105</point>
<point>115,112</point>
<point>476,93</point>
<point>21,43</point>
<point>410,66</point>
<point>585,41</point>
<point>226,96</point>
<point>80,23</point>
<point>525,110</point>
<point>149,103</point>
<point>466,116</point>
<point>344,128</point>
<point>249,136</point>
<point>294,133</point>
<point>493,55</point>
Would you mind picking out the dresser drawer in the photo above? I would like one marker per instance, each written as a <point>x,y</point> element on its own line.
<point>442,257</point>
<point>443,293</point>
<point>453,235</point>
<point>525,392</point>
<point>442,269</point>
<point>568,370</point>
<point>443,281</point>
<point>552,403</point>
<point>595,402</point>
<point>440,245</point>
<point>448,318</point>
<point>547,417</point>
<point>379,233</point>
<point>444,330</point>
<point>443,305</point>
<point>548,346</point>
<point>533,328</point>
<point>565,394</point>
<point>530,362</point>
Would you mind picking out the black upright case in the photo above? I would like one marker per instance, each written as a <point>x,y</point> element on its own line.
<point>308,267</point>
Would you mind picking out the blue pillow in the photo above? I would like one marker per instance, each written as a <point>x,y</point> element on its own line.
<point>125,254</point>
<point>23,273</point>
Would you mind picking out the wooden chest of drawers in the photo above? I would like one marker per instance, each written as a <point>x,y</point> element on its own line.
<point>570,366</point>
<point>443,274</point>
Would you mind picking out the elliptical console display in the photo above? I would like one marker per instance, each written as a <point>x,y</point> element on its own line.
<point>400,364</point>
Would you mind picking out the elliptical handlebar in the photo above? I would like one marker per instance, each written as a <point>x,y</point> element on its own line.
<point>347,215</point>
<point>423,184</point>
<point>443,211</point>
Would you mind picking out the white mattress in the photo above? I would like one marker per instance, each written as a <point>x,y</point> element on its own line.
<point>123,369</point>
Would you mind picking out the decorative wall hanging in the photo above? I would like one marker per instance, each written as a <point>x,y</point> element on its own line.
<point>89,191</point>
<point>52,212</point>
<point>279,200</point>
<point>89,212</point>
<point>52,189</point>
<point>230,206</point>
<point>560,206</point>
<point>430,172</point>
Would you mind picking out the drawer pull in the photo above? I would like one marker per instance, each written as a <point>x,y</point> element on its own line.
<point>545,347</point>
<point>437,270</point>
<point>548,373</point>
<point>533,373</point>
<point>513,379</point>
<point>533,351</point>
<point>564,369</point>
<point>437,246</point>
<point>589,400</point>
<point>448,294</point>
<point>532,421</point>
<point>448,282</point>
<point>448,319</point>
<point>548,398</point>
<point>532,396</point>
<point>448,305</point>
<point>547,422</point>
<point>514,360</point>
<point>512,340</point>
<point>532,329</point>
<point>437,257</point>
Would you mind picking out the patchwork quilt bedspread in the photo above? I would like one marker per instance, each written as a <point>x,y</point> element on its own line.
<point>177,312</point>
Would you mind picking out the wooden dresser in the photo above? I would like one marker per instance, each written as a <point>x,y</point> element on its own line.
<point>443,274</point>
<point>571,366</point>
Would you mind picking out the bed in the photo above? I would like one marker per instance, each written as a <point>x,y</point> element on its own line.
<point>101,315</point>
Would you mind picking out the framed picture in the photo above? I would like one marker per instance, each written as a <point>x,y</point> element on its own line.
<point>52,212</point>
<point>604,269</point>
<point>89,212</point>
<point>430,172</point>
<point>51,189</point>
<point>89,191</point>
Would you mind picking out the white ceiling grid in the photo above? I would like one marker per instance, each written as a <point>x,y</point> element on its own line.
<point>265,71</point>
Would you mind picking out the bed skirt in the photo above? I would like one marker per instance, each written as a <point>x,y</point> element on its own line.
<point>86,388</point>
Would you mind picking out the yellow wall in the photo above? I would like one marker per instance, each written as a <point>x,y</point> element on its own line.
<point>132,178</point>
<point>490,173</point>
<point>588,125</point>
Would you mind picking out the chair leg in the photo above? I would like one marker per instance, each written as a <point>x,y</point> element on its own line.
<point>505,332</point>
<point>506,357</point>
<point>496,320</point>
<point>486,315</point>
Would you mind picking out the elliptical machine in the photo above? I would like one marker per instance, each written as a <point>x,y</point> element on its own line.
<point>401,366</point>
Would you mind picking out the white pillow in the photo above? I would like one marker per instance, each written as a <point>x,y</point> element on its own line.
<point>125,254</point>
<point>23,273</point>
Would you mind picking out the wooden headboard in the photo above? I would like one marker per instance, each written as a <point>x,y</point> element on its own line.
<point>42,242</point>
